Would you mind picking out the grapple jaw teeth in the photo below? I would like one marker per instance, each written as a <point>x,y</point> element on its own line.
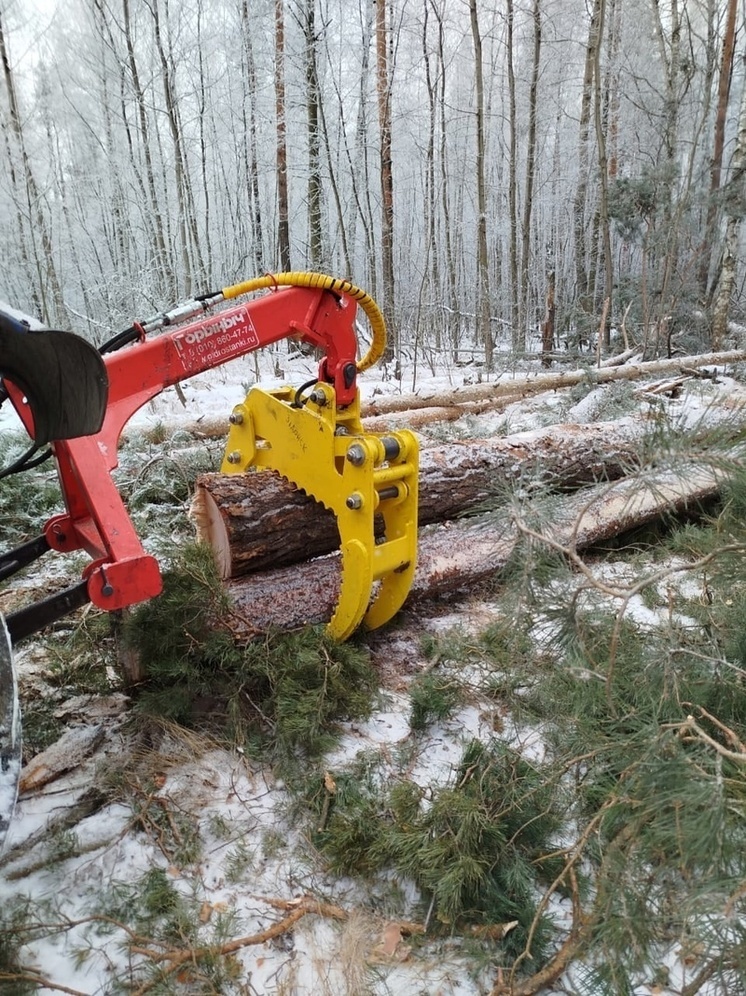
<point>326,453</point>
<point>10,733</point>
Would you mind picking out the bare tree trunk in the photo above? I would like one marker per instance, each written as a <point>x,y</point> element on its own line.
<point>283,208</point>
<point>678,75</point>
<point>383,90</point>
<point>315,233</point>
<point>207,261</point>
<point>582,279</point>
<point>530,164</point>
<point>484,332</point>
<point>716,166</point>
<point>518,335</point>
<point>342,227</point>
<point>730,249</point>
<point>452,320</point>
<point>547,328</point>
<point>256,209</point>
<point>162,257</point>
<point>187,222</point>
<point>603,176</point>
<point>53,311</point>
<point>431,273</point>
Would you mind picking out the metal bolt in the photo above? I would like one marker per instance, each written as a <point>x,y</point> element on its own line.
<point>354,501</point>
<point>356,455</point>
<point>235,418</point>
<point>318,398</point>
<point>234,457</point>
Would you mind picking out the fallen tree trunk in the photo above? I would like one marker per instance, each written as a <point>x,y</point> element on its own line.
<point>523,386</point>
<point>458,557</point>
<point>381,413</point>
<point>257,521</point>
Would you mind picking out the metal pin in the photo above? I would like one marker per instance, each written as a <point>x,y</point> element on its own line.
<point>356,455</point>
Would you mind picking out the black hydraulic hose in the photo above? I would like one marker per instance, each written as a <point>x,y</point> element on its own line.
<point>21,463</point>
<point>119,340</point>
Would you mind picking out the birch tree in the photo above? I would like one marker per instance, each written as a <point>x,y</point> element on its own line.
<point>736,198</point>
<point>716,166</point>
<point>37,245</point>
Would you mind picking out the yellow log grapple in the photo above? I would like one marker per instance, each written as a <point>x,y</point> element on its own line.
<point>325,451</point>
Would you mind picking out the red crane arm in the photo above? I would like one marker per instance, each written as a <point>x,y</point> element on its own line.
<point>121,572</point>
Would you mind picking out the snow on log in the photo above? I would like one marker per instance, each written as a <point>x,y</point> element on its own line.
<point>458,557</point>
<point>256,521</point>
<point>425,406</point>
<point>525,385</point>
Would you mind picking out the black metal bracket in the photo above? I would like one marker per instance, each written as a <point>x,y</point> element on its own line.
<point>14,560</point>
<point>25,622</point>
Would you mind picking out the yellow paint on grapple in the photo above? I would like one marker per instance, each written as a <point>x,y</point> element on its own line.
<point>325,452</point>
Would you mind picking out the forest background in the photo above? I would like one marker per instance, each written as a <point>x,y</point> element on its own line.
<point>492,172</point>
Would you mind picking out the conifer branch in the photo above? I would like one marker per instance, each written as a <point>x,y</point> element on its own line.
<point>298,908</point>
<point>29,976</point>
<point>691,725</point>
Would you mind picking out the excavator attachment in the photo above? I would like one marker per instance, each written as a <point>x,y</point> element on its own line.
<point>358,475</point>
<point>62,376</point>
<point>69,395</point>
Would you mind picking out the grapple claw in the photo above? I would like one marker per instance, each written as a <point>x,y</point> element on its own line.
<point>325,451</point>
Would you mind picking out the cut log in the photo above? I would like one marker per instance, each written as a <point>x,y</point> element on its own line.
<point>257,521</point>
<point>73,747</point>
<point>458,557</point>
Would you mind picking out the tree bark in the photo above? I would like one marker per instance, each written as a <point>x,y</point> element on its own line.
<point>53,312</point>
<point>484,332</point>
<point>547,328</point>
<point>313,111</point>
<point>727,276</point>
<point>415,410</point>
<point>526,309</point>
<point>257,521</point>
<point>718,145</point>
<point>582,280</point>
<point>283,207</point>
<point>603,182</point>
<point>457,557</point>
<point>518,332</point>
<point>383,92</point>
<point>547,382</point>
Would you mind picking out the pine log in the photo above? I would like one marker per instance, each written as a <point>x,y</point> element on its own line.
<point>257,521</point>
<point>525,385</point>
<point>457,557</point>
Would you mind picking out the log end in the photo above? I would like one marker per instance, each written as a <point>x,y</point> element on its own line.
<point>211,528</point>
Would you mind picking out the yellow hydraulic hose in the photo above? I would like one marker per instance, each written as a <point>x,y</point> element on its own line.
<point>335,284</point>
